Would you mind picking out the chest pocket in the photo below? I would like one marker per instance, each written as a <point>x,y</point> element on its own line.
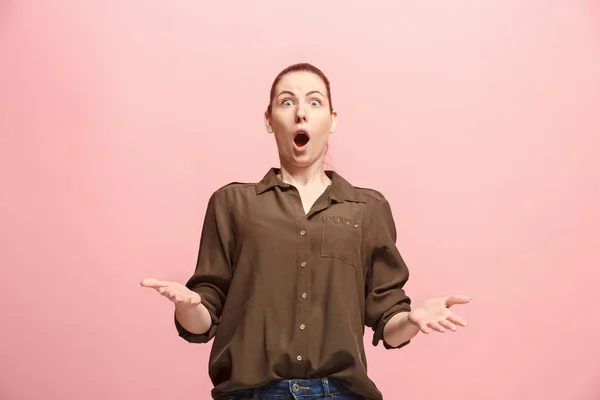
<point>341,239</point>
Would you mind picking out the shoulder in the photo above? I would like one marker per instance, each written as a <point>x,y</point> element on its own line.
<point>232,190</point>
<point>231,196</point>
<point>370,195</point>
<point>235,187</point>
<point>378,209</point>
<point>349,191</point>
<point>376,202</point>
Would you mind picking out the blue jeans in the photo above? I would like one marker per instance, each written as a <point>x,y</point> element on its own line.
<point>298,389</point>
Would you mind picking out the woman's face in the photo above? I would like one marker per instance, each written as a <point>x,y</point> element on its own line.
<point>301,119</point>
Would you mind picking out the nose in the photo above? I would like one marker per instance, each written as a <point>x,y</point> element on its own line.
<point>300,114</point>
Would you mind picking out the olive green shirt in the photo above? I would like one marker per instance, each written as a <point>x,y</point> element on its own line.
<point>290,293</point>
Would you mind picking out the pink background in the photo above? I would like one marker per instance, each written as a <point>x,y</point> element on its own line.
<point>479,120</point>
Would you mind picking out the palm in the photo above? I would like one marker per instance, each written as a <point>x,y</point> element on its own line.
<point>174,291</point>
<point>434,314</point>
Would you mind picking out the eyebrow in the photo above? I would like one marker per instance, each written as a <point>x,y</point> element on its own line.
<point>307,94</point>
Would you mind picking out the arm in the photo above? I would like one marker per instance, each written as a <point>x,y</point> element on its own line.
<point>399,329</point>
<point>387,305</point>
<point>388,308</point>
<point>212,276</point>
<point>196,320</point>
<point>193,316</point>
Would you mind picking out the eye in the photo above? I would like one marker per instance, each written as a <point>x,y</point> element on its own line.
<point>315,102</point>
<point>287,103</point>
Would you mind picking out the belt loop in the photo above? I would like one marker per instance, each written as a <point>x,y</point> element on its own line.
<point>256,393</point>
<point>325,383</point>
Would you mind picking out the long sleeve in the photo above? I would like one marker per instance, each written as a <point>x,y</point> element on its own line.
<point>213,272</point>
<point>387,275</point>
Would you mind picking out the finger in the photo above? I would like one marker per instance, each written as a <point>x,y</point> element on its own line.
<point>457,299</point>
<point>167,292</point>
<point>153,283</point>
<point>424,328</point>
<point>187,299</point>
<point>178,298</point>
<point>436,327</point>
<point>448,325</point>
<point>164,290</point>
<point>456,320</point>
<point>194,300</point>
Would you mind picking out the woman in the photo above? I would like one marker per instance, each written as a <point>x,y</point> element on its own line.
<point>291,269</point>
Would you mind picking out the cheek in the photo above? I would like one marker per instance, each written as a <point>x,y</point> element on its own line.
<point>321,139</point>
<point>325,124</point>
<point>282,140</point>
<point>278,136</point>
<point>281,121</point>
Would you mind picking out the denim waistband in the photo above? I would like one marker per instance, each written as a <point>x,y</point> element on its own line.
<point>299,388</point>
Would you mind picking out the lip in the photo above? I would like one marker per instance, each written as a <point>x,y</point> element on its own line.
<point>299,131</point>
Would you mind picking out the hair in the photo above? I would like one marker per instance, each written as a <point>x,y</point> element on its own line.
<point>301,67</point>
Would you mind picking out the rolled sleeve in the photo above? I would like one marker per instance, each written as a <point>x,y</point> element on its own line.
<point>213,272</point>
<point>387,275</point>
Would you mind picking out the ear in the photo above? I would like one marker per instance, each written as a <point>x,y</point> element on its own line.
<point>333,121</point>
<point>268,122</point>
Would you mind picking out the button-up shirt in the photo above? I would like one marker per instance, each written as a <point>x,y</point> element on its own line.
<point>290,292</point>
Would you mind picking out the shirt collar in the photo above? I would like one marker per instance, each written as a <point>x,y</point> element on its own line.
<point>341,189</point>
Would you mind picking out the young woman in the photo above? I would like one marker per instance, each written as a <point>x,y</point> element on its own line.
<point>291,269</point>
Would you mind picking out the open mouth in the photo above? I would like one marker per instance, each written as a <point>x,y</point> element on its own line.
<point>301,139</point>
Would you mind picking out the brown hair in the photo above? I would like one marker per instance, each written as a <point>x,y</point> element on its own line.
<point>301,67</point>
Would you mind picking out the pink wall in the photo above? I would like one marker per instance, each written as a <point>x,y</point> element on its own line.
<point>478,119</point>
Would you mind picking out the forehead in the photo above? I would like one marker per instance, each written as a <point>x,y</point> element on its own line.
<point>302,82</point>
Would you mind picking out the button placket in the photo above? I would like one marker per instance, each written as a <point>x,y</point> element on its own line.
<point>301,333</point>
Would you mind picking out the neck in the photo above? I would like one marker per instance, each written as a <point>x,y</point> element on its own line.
<point>311,175</point>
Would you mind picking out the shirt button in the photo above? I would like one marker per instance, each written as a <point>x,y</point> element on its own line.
<point>302,326</point>
<point>303,295</point>
<point>303,232</point>
<point>303,263</point>
<point>299,358</point>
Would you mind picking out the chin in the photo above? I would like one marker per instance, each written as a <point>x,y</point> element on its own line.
<point>301,161</point>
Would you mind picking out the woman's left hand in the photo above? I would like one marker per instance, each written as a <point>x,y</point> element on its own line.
<point>434,314</point>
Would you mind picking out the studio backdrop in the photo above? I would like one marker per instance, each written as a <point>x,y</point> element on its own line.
<point>478,120</point>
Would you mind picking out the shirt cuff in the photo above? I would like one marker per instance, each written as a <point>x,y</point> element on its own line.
<point>195,337</point>
<point>378,334</point>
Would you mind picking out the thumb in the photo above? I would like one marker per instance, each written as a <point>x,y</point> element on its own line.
<point>457,299</point>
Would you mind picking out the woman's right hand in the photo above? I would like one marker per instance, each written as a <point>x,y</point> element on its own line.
<point>176,292</point>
